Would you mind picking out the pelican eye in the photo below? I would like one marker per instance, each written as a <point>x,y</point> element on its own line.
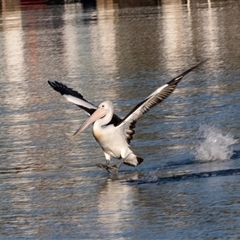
<point>103,106</point>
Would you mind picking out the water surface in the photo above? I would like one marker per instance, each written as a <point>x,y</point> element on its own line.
<point>50,186</point>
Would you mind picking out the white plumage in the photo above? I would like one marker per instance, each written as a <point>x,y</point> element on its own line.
<point>111,132</point>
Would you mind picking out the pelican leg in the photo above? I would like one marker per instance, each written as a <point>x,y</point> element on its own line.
<point>115,168</point>
<point>108,159</point>
<point>107,165</point>
<point>120,164</point>
<point>112,169</point>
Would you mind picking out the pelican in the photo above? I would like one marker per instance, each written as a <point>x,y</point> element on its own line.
<point>112,132</point>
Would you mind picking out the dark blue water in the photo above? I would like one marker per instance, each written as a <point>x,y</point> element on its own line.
<point>188,185</point>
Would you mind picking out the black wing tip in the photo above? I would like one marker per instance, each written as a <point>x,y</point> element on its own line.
<point>177,79</point>
<point>51,83</point>
<point>65,90</point>
<point>57,86</point>
<point>54,83</point>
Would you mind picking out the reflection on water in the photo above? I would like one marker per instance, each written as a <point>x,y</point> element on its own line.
<point>121,51</point>
<point>116,201</point>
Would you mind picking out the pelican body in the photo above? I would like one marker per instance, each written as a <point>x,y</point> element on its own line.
<point>112,139</point>
<point>111,132</point>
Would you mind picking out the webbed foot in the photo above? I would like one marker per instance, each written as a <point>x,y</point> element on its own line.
<point>102,166</point>
<point>111,169</point>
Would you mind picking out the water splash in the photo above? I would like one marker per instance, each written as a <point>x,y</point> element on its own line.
<point>150,177</point>
<point>182,177</point>
<point>214,145</point>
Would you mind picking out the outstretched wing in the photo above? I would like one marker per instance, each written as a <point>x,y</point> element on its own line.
<point>128,123</point>
<point>78,99</point>
<point>73,96</point>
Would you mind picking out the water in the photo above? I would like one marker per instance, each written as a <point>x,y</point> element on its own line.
<point>215,145</point>
<point>188,185</point>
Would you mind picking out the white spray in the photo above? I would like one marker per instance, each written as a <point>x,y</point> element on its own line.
<point>214,145</point>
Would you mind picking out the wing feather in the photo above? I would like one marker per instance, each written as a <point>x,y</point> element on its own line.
<point>129,122</point>
<point>73,96</point>
<point>78,99</point>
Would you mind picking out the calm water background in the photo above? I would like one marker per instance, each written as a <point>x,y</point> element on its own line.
<point>50,187</point>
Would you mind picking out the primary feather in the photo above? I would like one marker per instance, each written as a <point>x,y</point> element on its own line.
<point>129,122</point>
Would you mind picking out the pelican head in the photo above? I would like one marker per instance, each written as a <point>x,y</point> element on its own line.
<point>107,105</point>
<point>104,112</point>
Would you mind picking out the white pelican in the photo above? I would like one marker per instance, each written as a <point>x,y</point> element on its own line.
<point>111,132</point>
